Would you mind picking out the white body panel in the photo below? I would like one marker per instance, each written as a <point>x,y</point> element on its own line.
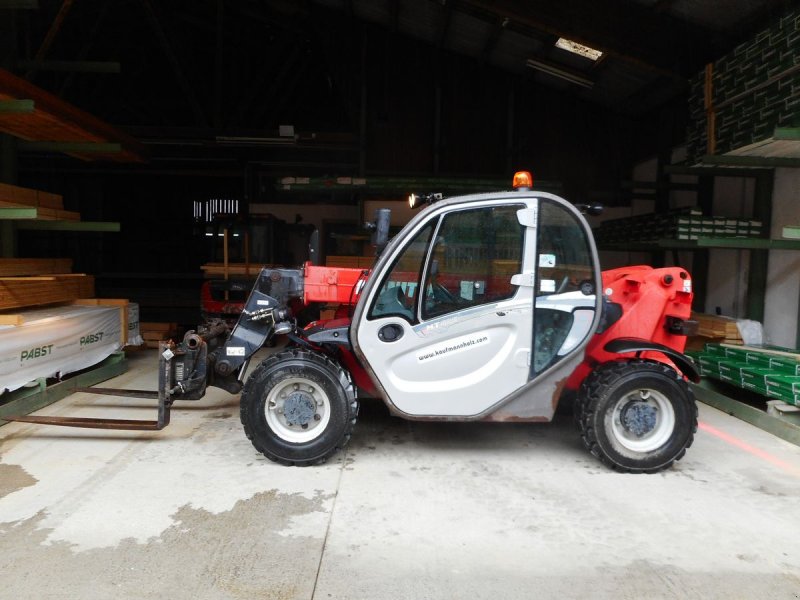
<point>454,366</point>
<point>471,361</point>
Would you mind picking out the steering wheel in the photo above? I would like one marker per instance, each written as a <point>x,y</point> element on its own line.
<point>562,286</point>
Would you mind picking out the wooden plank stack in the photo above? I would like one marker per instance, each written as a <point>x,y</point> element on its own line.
<point>217,270</point>
<point>49,207</point>
<point>16,267</point>
<point>714,329</point>
<point>350,262</point>
<point>28,282</point>
<point>23,292</point>
<point>152,332</point>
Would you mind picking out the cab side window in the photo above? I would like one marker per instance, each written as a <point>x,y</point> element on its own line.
<point>564,266</point>
<point>398,293</point>
<point>474,254</point>
<point>564,259</point>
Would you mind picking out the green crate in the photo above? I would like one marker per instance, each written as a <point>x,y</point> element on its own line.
<point>786,366</point>
<point>732,369</point>
<point>781,394</point>
<point>756,376</point>
<point>737,354</point>
<point>758,360</point>
<point>753,387</point>
<point>714,349</point>
<point>710,362</point>
<point>790,383</point>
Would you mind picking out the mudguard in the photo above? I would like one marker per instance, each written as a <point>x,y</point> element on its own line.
<point>683,362</point>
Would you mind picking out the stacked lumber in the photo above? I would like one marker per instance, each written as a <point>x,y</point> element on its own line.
<point>26,282</point>
<point>49,207</point>
<point>714,329</point>
<point>350,262</point>
<point>152,332</point>
<point>18,267</point>
<point>217,270</point>
<point>22,292</point>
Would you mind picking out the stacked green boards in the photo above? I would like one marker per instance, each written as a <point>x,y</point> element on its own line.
<point>769,371</point>
<point>677,224</point>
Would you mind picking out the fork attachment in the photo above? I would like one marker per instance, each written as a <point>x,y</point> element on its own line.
<point>167,389</point>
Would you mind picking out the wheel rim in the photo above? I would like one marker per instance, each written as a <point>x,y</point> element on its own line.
<point>642,420</point>
<point>297,410</point>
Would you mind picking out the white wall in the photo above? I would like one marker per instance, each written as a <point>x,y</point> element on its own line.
<point>726,288</point>
<point>783,276</point>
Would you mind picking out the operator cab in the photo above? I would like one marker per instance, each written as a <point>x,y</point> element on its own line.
<point>477,299</point>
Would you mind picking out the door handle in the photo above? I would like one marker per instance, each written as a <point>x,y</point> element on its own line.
<point>390,333</point>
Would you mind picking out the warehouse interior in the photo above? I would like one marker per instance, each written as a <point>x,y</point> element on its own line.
<point>154,155</point>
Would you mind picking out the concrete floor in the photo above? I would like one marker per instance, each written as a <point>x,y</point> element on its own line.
<point>409,510</point>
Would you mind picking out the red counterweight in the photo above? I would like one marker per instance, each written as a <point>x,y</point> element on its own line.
<point>656,305</point>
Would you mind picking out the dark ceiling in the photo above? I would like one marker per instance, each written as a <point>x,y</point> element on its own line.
<point>387,90</point>
<point>224,75</point>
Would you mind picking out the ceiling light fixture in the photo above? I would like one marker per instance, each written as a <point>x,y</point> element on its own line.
<point>560,72</point>
<point>578,49</point>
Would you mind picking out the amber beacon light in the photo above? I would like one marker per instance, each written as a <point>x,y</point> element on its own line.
<point>523,180</point>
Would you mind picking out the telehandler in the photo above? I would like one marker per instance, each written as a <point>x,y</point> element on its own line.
<point>486,307</point>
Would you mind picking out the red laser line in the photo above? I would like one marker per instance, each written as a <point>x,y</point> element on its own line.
<point>733,441</point>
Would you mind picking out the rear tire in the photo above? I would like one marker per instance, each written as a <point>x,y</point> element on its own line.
<point>298,407</point>
<point>636,416</point>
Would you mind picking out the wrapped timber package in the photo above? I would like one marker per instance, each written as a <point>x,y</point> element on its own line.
<point>134,335</point>
<point>55,341</point>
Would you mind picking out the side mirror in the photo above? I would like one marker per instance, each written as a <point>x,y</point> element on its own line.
<point>380,229</point>
<point>313,247</point>
<point>592,209</point>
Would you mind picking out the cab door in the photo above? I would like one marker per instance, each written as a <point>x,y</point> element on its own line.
<point>445,327</point>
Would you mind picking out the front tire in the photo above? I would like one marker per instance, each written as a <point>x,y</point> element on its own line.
<point>636,416</point>
<point>298,407</point>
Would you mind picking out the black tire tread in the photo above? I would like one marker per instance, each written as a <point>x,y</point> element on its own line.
<point>598,383</point>
<point>322,361</point>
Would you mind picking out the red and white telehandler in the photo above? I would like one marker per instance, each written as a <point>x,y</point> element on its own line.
<point>486,307</point>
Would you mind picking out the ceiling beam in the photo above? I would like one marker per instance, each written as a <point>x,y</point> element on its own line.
<point>271,109</point>
<point>444,24</point>
<point>70,147</point>
<point>218,64</point>
<point>559,72</point>
<point>177,68</point>
<point>626,30</point>
<point>70,66</point>
<point>492,39</point>
<point>19,4</point>
<point>395,15</point>
<point>49,38</point>
<point>87,44</point>
<point>275,80</point>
